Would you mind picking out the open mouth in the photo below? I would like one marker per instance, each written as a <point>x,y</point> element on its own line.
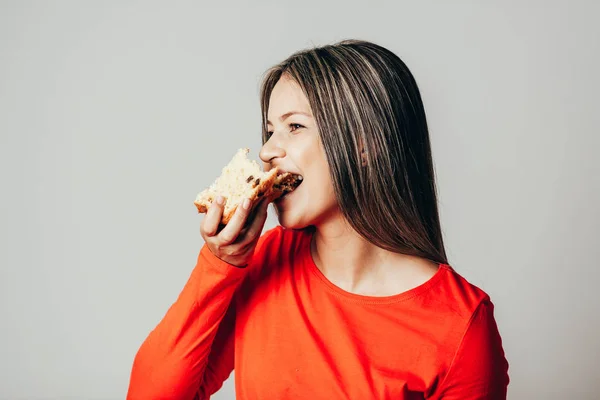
<point>287,182</point>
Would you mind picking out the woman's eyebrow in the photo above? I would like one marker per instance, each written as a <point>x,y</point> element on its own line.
<point>290,113</point>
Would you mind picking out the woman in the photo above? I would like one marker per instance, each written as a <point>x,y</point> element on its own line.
<point>351,297</point>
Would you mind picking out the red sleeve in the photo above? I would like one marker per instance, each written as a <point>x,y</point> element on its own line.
<point>479,370</point>
<point>172,362</point>
<point>221,358</point>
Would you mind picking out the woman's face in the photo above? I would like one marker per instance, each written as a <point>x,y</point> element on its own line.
<point>294,146</point>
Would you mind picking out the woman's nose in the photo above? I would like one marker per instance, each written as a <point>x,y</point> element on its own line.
<point>271,150</point>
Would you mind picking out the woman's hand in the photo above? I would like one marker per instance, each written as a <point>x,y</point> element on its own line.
<point>235,243</point>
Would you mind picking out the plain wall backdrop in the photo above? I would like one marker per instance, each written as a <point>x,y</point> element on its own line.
<point>115,114</point>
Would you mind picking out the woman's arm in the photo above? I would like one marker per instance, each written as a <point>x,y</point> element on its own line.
<point>480,369</point>
<point>178,359</point>
<point>172,363</point>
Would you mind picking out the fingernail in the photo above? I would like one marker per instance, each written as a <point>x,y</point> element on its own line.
<point>220,200</point>
<point>246,204</point>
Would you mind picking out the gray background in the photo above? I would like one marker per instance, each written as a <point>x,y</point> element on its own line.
<point>113,115</point>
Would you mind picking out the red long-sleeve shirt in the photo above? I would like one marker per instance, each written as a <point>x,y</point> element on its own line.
<point>291,334</point>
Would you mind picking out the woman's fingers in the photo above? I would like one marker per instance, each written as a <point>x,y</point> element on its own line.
<point>232,230</point>
<point>247,238</point>
<point>212,220</point>
<point>210,224</point>
<point>258,221</point>
<point>235,243</point>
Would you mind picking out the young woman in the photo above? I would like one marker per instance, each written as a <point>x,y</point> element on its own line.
<point>352,296</point>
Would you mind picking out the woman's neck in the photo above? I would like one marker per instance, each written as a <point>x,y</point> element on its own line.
<point>355,265</point>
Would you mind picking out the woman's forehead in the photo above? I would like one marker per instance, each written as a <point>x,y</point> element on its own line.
<point>286,97</point>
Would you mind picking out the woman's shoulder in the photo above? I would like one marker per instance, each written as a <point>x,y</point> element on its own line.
<point>452,306</point>
<point>455,295</point>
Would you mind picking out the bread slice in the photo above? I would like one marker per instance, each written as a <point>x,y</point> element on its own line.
<point>243,178</point>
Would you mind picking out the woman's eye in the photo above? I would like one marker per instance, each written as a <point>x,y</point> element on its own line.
<point>293,127</point>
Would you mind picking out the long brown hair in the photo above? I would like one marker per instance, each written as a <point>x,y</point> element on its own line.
<point>374,132</point>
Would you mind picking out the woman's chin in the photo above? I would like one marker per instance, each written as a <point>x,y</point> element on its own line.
<point>288,223</point>
<point>288,219</point>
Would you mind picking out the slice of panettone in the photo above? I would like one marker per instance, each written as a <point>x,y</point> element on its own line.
<point>243,178</point>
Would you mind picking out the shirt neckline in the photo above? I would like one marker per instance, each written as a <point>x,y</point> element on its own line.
<point>443,269</point>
